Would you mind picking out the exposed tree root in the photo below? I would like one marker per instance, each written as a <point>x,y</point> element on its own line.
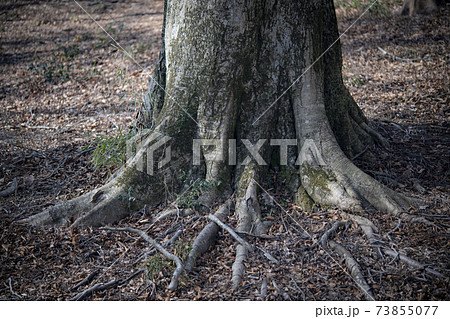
<point>263,290</point>
<point>370,230</point>
<point>411,262</point>
<point>374,134</point>
<point>248,212</point>
<point>350,262</point>
<point>97,287</point>
<point>179,265</point>
<point>331,232</point>
<point>354,269</point>
<point>206,237</point>
<point>94,208</point>
<point>128,190</point>
<point>415,219</point>
<point>327,174</point>
<point>238,267</point>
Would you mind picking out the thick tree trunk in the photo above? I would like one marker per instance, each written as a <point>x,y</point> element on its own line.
<point>248,74</point>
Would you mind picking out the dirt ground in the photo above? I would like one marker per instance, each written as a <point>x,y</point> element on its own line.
<point>65,83</point>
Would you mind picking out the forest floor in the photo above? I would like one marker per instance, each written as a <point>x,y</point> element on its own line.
<point>65,83</point>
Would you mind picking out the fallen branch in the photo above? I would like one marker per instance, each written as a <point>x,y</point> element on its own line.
<point>97,287</point>
<point>165,245</point>
<point>179,269</point>
<point>231,232</point>
<point>102,287</point>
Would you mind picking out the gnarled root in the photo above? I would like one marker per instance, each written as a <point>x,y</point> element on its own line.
<point>340,183</point>
<point>130,189</point>
<point>89,209</point>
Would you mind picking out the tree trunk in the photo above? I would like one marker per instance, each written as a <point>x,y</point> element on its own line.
<point>239,83</point>
<point>413,7</point>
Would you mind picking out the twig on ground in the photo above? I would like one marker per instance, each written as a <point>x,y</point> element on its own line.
<point>11,288</point>
<point>153,250</point>
<point>331,232</point>
<point>95,288</point>
<point>173,238</point>
<point>179,269</point>
<point>86,280</point>
<point>396,57</point>
<point>269,256</point>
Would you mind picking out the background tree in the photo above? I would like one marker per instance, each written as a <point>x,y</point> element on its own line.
<point>412,7</point>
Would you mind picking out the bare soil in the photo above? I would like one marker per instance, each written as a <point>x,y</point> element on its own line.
<point>64,83</point>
